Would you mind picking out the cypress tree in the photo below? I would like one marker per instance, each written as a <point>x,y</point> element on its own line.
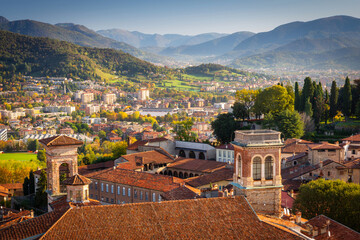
<point>307,92</point>
<point>334,95</point>
<point>31,182</point>
<point>297,97</point>
<point>346,108</point>
<point>308,108</point>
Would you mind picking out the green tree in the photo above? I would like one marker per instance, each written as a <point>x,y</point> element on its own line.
<point>335,199</point>
<point>247,99</point>
<point>297,97</point>
<point>182,129</point>
<point>41,155</point>
<point>274,99</point>
<point>102,134</point>
<point>119,149</point>
<point>308,108</point>
<point>224,127</point>
<point>347,98</point>
<point>240,111</point>
<point>33,145</point>
<point>307,92</point>
<point>41,195</point>
<point>26,186</point>
<point>31,182</point>
<point>288,122</point>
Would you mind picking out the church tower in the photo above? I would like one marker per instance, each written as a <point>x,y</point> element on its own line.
<point>61,161</point>
<point>257,169</point>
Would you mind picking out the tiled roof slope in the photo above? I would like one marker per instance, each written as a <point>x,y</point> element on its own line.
<point>77,180</point>
<point>60,140</point>
<point>323,146</point>
<point>31,227</point>
<point>157,156</point>
<point>138,179</point>
<point>354,138</point>
<point>337,230</point>
<point>213,218</point>
<point>219,175</point>
<point>354,164</point>
<point>180,193</point>
<point>136,144</point>
<point>199,165</point>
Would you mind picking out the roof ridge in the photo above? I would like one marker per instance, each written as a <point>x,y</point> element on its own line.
<point>335,222</point>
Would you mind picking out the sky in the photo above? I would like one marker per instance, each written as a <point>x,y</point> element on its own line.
<point>188,17</point>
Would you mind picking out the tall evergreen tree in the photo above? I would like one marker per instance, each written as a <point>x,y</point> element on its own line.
<point>308,108</point>
<point>347,98</point>
<point>297,97</point>
<point>307,92</point>
<point>334,95</point>
<point>31,182</point>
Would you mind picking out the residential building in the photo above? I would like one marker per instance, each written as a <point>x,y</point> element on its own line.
<point>87,97</point>
<point>195,150</point>
<point>322,151</point>
<point>143,94</point>
<point>225,153</point>
<point>109,98</point>
<point>151,144</point>
<point>66,131</point>
<point>352,147</point>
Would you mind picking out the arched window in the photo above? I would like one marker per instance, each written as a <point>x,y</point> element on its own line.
<point>239,162</point>
<point>186,175</point>
<point>257,168</point>
<point>202,156</point>
<point>269,167</point>
<point>175,174</point>
<point>191,175</point>
<point>192,154</point>
<point>181,175</point>
<point>182,153</point>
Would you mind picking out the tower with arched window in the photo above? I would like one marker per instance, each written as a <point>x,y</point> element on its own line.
<point>257,168</point>
<point>61,161</point>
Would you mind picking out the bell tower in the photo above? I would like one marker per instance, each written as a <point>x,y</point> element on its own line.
<point>61,153</point>
<point>257,169</point>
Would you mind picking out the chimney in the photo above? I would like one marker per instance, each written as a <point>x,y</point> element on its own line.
<point>226,193</point>
<point>292,193</point>
<point>321,164</point>
<point>32,213</point>
<point>337,143</point>
<point>315,231</point>
<point>298,218</point>
<point>139,160</point>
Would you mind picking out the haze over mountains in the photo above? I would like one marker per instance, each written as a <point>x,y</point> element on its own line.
<point>321,44</point>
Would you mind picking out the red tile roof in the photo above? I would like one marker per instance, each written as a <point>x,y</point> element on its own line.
<point>223,174</point>
<point>77,180</point>
<point>354,164</point>
<point>137,179</point>
<point>60,140</point>
<point>323,146</point>
<point>226,146</point>
<point>286,200</point>
<point>294,147</point>
<point>10,186</point>
<point>157,156</point>
<point>354,138</point>
<point>180,193</point>
<point>31,227</point>
<point>136,144</point>
<point>63,204</point>
<point>197,165</point>
<point>212,218</point>
<point>337,230</point>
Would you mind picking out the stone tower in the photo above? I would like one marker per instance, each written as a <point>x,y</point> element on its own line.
<point>59,150</point>
<point>257,169</point>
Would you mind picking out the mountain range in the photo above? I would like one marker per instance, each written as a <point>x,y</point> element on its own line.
<point>326,43</point>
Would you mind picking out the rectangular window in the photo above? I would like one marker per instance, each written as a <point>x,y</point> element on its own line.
<point>96,197</point>
<point>141,195</point>
<point>257,169</point>
<point>107,199</point>
<point>154,197</point>
<point>146,196</point>
<point>353,152</point>
<point>129,192</point>
<point>159,198</point>
<point>118,191</point>
<point>118,201</point>
<point>95,185</point>
<point>102,187</point>
<point>91,195</point>
<point>112,188</point>
<point>135,193</point>
<point>112,200</point>
<point>107,187</point>
<point>124,191</point>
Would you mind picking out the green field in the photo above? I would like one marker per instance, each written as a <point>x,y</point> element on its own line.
<point>18,156</point>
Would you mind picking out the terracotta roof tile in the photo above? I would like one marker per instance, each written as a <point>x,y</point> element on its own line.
<point>226,146</point>
<point>77,180</point>
<point>12,185</point>
<point>223,174</point>
<point>31,227</point>
<point>324,146</point>
<point>60,140</point>
<point>354,138</point>
<point>198,165</point>
<point>136,144</point>
<point>337,230</point>
<point>180,193</point>
<point>354,164</point>
<point>213,218</point>
<point>138,179</point>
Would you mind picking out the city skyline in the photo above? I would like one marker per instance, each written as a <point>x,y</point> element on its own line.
<point>171,17</point>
